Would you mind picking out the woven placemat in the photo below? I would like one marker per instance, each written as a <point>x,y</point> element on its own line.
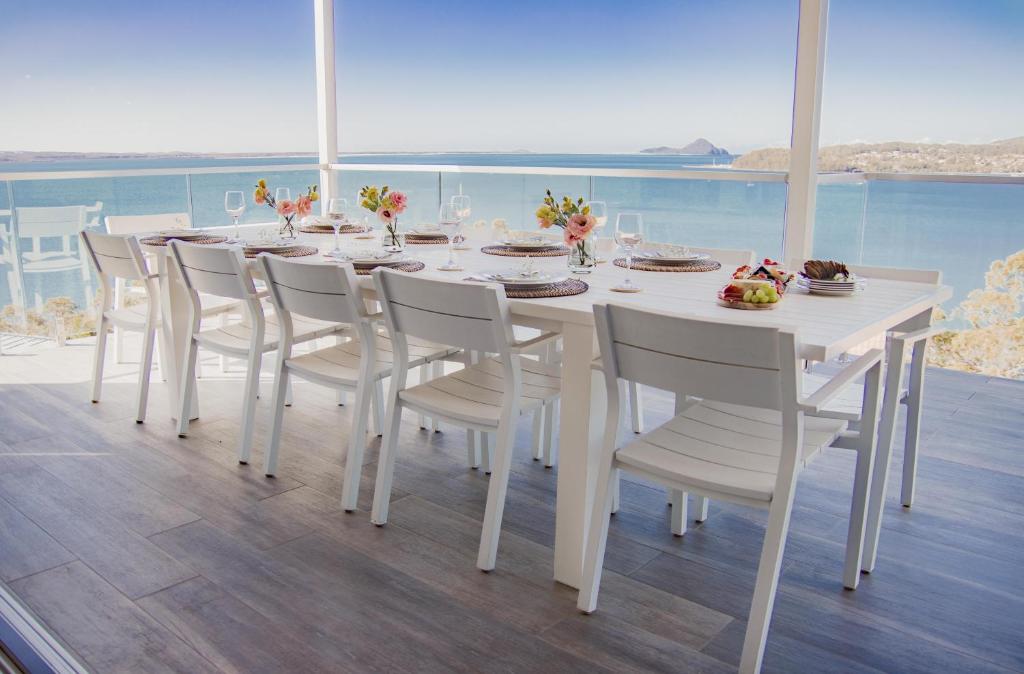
<point>162,240</point>
<point>347,228</point>
<point>414,239</point>
<point>569,286</point>
<point>508,251</point>
<point>704,265</point>
<point>411,265</point>
<point>296,251</point>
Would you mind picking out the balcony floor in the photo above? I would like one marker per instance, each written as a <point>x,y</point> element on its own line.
<point>145,552</point>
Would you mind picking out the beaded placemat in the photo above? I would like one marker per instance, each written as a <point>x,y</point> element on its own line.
<point>508,251</point>
<point>162,240</point>
<point>569,286</point>
<point>703,265</point>
<point>421,239</point>
<point>347,228</point>
<point>411,265</point>
<point>295,251</point>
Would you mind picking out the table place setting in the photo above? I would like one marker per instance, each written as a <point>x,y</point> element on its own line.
<point>364,261</point>
<point>526,282</point>
<point>196,236</point>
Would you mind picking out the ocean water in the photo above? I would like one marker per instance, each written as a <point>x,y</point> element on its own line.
<point>958,228</point>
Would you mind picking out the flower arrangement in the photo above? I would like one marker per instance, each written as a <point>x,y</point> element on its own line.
<point>387,205</point>
<point>576,221</point>
<point>286,208</point>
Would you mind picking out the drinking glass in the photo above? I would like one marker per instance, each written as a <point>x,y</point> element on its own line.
<point>599,210</point>
<point>629,233</point>
<point>462,206</point>
<point>282,194</point>
<point>448,220</point>
<point>234,204</point>
<point>336,211</point>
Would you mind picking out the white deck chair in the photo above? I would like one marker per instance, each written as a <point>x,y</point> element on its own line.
<point>37,223</point>
<point>488,396</point>
<point>115,258</point>
<point>223,272</point>
<point>743,436</point>
<point>331,293</point>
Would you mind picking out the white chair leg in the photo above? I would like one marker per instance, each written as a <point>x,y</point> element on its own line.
<point>597,537</point>
<point>145,370</point>
<point>636,406</point>
<point>701,506</point>
<point>356,448</point>
<point>223,360</point>
<point>436,370</point>
<point>912,436</point>
<point>289,395</point>
<point>386,465</point>
<point>537,433</point>
<point>187,387</point>
<point>252,384</point>
<point>496,493</point>
<point>472,449</point>
<point>342,395</point>
<point>98,357</point>
<point>550,428</point>
<point>277,403</point>
<point>378,407</point>
<point>679,505</point>
<point>616,487</point>
<point>424,378</point>
<point>486,455</point>
<point>767,582</point>
<point>858,519</point>
<point>119,290</point>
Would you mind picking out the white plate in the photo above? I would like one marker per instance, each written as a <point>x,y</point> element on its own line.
<point>845,290</point>
<point>515,277</point>
<point>531,244</point>
<point>393,258</point>
<point>183,234</point>
<point>664,257</point>
<point>267,247</point>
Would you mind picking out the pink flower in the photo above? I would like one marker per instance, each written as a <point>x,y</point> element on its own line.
<point>398,201</point>
<point>303,206</point>
<point>580,225</point>
<point>286,207</point>
<point>571,238</point>
<point>386,215</point>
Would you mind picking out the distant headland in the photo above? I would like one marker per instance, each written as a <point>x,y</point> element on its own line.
<point>699,146</point>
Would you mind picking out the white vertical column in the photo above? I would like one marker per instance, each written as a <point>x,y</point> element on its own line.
<point>326,97</point>
<point>803,155</point>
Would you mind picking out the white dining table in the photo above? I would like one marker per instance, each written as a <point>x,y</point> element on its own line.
<point>827,327</point>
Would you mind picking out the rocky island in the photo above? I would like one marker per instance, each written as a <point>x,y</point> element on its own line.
<point>699,146</point>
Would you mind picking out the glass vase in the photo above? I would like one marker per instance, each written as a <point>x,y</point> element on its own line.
<point>392,240</point>
<point>583,256</point>
<point>287,229</point>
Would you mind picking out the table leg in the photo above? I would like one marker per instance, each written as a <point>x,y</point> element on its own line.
<point>175,312</point>
<point>581,427</point>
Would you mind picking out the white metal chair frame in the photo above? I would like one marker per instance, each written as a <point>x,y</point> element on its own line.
<point>471,317</point>
<point>329,293</point>
<point>736,365</point>
<point>223,272</point>
<point>115,258</point>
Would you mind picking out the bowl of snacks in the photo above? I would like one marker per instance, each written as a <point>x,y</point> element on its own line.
<point>828,277</point>
<point>755,294</point>
<point>768,270</point>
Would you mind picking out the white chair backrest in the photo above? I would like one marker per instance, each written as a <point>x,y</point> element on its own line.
<point>115,256</point>
<point>465,315</point>
<point>213,270</point>
<point>50,221</point>
<point>326,292</point>
<point>930,276</point>
<point>739,364</point>
<point>136,224</point>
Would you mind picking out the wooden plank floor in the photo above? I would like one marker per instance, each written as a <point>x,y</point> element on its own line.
<point>146,552</point>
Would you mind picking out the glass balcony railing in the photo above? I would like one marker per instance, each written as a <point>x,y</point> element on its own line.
<point>960,225</point>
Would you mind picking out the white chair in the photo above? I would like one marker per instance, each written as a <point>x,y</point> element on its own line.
<point>37,223</point>
<point>116,258</point>
<point>223,272</point>
<point>331,293</point>
<point>487,396</point>
<point>729,258</point>
<point>743,436</point>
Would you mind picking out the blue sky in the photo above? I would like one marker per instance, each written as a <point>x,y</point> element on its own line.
<point>553,75</point>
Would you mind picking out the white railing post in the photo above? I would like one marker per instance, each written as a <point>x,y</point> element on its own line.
<point>326,98</point>
<point>803,149</point>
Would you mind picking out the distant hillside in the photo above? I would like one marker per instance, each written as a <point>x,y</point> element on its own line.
<point>1002,156</point>
<point>699,146</point>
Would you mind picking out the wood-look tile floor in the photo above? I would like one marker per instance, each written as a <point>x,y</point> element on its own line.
<point>148,553</point>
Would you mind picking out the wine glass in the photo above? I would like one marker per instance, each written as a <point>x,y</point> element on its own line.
<point>234,204</point>
<point>282,194</point>
<point>462,205</point>
<point>629,233</point>
<point>448,220</point>
<point>336,211</point>
<point>599,210</point>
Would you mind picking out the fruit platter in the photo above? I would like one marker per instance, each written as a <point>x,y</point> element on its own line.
<point>754,294</point>
<point>768,270</point>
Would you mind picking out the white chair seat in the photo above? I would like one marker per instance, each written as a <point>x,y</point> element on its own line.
<point>723,448</point>
<point>49,262</point>
<point>847,405</point>
<point>234,337</point>
<point>473,395</point>
<point>340,363</point>
<point>132,317</point>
